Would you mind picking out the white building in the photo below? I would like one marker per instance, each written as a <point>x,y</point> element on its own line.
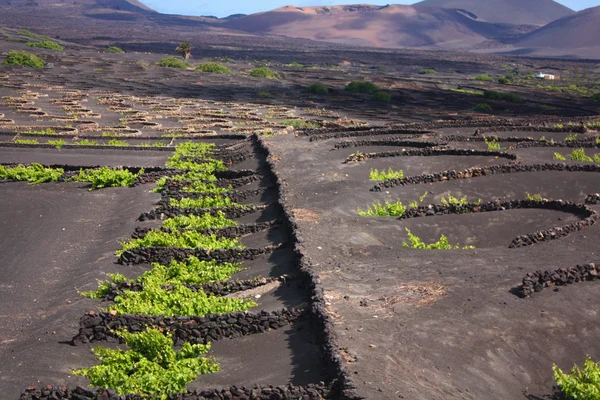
<point>541,75</point>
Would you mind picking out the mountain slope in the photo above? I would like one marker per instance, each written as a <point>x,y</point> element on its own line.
<point>125,5</point>
<point>391,26</point>
<point>575,31</point>
<point>519,12</point>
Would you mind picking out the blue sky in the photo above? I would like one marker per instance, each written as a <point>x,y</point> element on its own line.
<point>224,8</point>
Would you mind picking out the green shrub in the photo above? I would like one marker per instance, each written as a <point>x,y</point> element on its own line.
<point>116,142</point>
<point>579,155</point>
<point>442,244</point>
<point>571,137</point>
<point>86,142</point>
<point>296,65</point>
<point>318,88</point>
<point>175,300</point>
<point>376,175</point>
<point>59,143</point>
<point>26,33</point>
<point>300,124</point>
<point>467,91</point>
<point>34,173</point>
<point>455,201</point>
<point>25,59</point>
<point>510,97</point>
<point>214,68</point>
<point>151,367</point>
<point>483,108</point>
<point>192,272</point>
<point>492,144</point>
<point>202,170</point>
<point>484,78</point>
<point>504,81</point>
<point>46,44</point>
<point>361,87</point>
<point>202,202</point>
<point>559,157</point>
<point>172,62</point>
<point>47,131</point>
<point>264,72</point>
<point>115,49</point>
<point>264,95</point>
<point>382,96</point>
<point>596,97</point>
<point>580,384</point>
<point>26,141</point>
<point>388,209</point>
<point>107,177</point>
<point>180,239</point>
<point>155,144</point>
<point>534,197</point>
<point>426,71</point>
<point>191,149</point>
<point>199,222</point>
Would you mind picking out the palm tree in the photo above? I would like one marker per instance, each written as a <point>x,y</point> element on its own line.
<point>185,50</point>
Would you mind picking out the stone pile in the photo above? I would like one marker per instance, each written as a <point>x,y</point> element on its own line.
<point>537,281</point>
<point>484,171</point>
<point>164,255</point>
<point>593,199</point>
<point>103,327</point>
<point>164,212</point>
<point>318,391</point>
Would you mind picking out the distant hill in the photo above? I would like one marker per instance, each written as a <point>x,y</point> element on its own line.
<point>234,16</point>
<point>520,12</point>
<point>124,5</point>
<point>392,26</point>
<point>573,32</point>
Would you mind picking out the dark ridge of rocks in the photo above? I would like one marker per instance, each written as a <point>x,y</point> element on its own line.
<point>333,361</point>
<point>104,327</point>
<point>553,233</point>
<point>593,199</point>
<point>362,132</point>
<point>164,255</point>
<point>428,152</point>
<point>387,142</point>
<point>227,232</point>
<point>164,212</point>
<point>570,144</point>
<point>484,171</point>
<point>538,280</point>
<point>498,205</point>
<point>485,125</point>
<point>257,392</point>
<point>233,174</point>
<point>479,138</point>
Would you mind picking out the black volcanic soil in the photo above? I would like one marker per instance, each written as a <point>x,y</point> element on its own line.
<point>56,238</point>
<point>421,324</point>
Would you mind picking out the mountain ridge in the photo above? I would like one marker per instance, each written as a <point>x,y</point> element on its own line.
<point>518,12</point>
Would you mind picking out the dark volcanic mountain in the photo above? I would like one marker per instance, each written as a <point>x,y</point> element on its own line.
<point>520,12</point>
<point>390,26</point>
<point>125,5</point>
<point>573,32</point>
